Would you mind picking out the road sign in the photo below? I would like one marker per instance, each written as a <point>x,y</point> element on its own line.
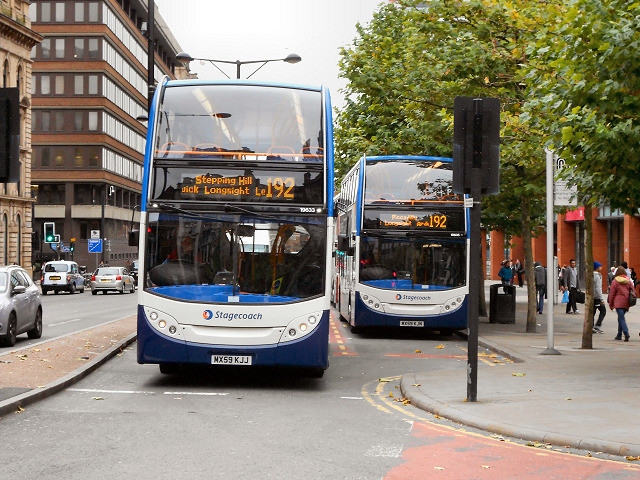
<point>95,246</point>
<point>95,234</point>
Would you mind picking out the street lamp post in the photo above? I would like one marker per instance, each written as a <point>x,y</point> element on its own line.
<point>186,58</point>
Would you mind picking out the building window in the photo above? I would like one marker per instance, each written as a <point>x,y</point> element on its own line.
<point>45,12</point>
<point>45,121</point>
<point>78,45</point>
<point>78,85</point>
<point>93,85</point>
<point>59,160</point>
<point>46,47</point>
<point>77,121</point>
<point>45,85</point>
<point>59,42</point>
<point>78,159</point>
<point>92,154</point>
<point>93,49</point>
<point>93,122</point>
<point>59,84</point>
<point>79,13</point>
<point>93,12</point>
<point>45,157</point>
<point>59,116</point>
<point>59,12</point>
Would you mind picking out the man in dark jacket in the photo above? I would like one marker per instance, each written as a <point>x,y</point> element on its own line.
<point>540,274</point>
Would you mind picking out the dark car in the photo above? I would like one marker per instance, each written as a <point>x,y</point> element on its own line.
<point>20,305</point>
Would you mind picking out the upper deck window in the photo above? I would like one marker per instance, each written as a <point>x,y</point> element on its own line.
<point>240,121</point>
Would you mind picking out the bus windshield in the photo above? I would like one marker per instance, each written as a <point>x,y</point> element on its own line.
<point>413,262</point>
<point>258,258</point>
<point>408,181</point>
<point>241,122</point>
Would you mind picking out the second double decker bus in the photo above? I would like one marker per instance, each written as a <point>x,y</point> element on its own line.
<point>236,225</point>
<point>402,245</point>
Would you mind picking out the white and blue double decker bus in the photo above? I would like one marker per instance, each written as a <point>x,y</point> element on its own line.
<point>236,226</point>
<point>402,238</point>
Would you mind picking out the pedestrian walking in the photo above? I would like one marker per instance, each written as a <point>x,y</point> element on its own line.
<point>619,293</point>
<point>540,274</point>
<point>571,283</point>
<point>519,269</point>
<point>506,275</point>
<point>598,299</point>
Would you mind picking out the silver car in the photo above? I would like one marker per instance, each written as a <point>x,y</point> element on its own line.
<point>20,305</point>
<point>116,279</point>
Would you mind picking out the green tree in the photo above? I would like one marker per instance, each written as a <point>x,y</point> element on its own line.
<point>585,74</point>
<point>405,70</point>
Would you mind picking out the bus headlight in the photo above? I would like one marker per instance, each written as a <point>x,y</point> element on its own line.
<point>163,322</point>
<point>301,326</point>
<point>372,302</point>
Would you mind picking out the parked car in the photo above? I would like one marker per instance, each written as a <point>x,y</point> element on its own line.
<point>20,305</point>
<point>61,276</point>
<point>105,279</point>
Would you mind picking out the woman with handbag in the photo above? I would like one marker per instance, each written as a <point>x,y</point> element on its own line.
<point>619,294</point>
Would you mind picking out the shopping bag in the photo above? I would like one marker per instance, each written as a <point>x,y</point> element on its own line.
<point>565,296</point>
<point>632,298</point>
<point>580,296</point>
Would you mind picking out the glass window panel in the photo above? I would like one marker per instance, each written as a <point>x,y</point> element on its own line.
<point>45,85</point>
<point>79,13</point>
<point>59,12</point>
<point>59,116</point>
<point>59,84</point>
<point>45,12</point>
<point>93,11</point>
<point>59,159</point>
<point>59,47</point>
<point>93,48</point>
<point>45,157</point>
<point>45,119</point>
<point>78,45</point>
<point>46,48</point>
<point>78,84</point>
<point>93,85</point>
<point>93,121</point>
<point>77,121</point>
<point>78,159</point>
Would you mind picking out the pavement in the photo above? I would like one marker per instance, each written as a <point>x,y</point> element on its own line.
<point>578,398</point>
<point>587,399</point>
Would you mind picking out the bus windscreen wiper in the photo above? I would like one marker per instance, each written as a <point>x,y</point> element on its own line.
<point>168,206</point>
<point>235,208</point>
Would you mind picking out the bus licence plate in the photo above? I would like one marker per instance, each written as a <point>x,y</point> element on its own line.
<point>231,359</point>
<point>411,323</point>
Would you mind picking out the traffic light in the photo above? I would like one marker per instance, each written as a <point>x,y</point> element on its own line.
<point>49,232</point>
<point>72,244</point>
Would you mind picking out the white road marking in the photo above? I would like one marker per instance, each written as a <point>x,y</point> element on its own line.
<point>67,321</point>
<point>144,392</point>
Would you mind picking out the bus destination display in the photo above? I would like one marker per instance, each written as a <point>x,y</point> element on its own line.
<point>441,220</point>
<point>246,185</point>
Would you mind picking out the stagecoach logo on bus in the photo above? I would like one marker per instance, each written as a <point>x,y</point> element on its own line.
<point>208,315</point>
<point>411,298</point>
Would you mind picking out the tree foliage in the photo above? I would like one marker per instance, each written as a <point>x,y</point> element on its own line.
<point>405,70</point>
<point>585,80</point>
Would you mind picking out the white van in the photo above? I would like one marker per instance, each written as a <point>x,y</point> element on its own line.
<point>61,276</point>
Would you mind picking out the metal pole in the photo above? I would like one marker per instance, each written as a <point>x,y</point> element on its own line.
<point>475,252</point>
<point>550,350</point>
<point>150,53</point>
<point>103,233</point>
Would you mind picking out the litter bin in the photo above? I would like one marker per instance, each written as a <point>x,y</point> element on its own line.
<point>502,306</point>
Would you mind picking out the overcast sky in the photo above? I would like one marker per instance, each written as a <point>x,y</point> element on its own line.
<point>265,29</point>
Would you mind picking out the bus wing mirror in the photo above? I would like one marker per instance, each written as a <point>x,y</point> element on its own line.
<point>134,238</point>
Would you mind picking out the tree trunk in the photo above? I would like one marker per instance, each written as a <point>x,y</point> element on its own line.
<point>529,269</point>
<point>587,329</point>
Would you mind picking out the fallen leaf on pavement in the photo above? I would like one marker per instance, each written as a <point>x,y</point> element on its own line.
<point>517,374</point>
<point>417,351</point>
<point>440,347</point>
